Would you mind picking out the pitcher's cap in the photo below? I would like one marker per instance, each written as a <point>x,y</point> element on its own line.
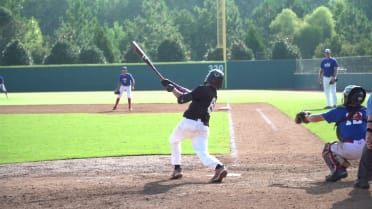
<point>327,51</point>
<point>124,68</point>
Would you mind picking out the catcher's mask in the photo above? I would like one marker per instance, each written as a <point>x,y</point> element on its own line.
<point>354,96</point>
<point>215,77</point>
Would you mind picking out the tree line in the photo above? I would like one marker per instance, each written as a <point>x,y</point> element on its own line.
<point>100,31</point>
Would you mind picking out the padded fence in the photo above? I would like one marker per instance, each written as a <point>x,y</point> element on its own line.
<point>262,74</point>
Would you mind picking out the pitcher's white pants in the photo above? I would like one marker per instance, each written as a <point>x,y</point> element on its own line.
<point>198,133</point>
<point>128,89</point>
<point>2,87</point>
<point>330,91</point>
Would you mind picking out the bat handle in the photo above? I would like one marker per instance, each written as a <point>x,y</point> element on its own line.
<point>182,89</point>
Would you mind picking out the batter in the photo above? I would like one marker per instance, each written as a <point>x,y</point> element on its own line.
<point>195,124</point>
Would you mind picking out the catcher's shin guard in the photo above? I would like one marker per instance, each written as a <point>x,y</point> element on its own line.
<point>330,158</point>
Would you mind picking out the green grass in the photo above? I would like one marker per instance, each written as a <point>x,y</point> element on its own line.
<point>103,97</point>
<point>35,137</point>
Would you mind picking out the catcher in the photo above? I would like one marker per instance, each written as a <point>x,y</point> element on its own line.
<point>350,120</point>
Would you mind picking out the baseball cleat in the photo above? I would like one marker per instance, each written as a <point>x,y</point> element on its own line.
<point>337,175</point>
<point>114,108</point>
<point>219,174</point>
<point>177,174</point>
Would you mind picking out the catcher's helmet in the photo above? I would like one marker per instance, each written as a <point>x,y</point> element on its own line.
<point>215,77</point>
<point>353,96</point>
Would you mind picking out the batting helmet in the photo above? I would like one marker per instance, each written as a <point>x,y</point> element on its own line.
<point>215,77</point>
<point>354,96</point>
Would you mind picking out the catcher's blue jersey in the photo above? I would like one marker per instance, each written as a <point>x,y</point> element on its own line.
<point>350,126</point>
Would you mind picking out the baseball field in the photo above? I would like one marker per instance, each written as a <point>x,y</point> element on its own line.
<point>69,150</point>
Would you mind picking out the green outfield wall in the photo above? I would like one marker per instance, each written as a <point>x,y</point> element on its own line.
<point>261,74</point>
<point>268,74</point>
<point>99,78</point>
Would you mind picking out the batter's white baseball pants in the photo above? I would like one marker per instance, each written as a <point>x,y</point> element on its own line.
<point>198,133</point>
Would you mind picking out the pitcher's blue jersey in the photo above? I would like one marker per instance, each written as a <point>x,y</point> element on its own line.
<point>126,80</point>
<point>328,66</point>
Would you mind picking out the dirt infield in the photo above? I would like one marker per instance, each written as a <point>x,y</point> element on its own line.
<point>274,164</point>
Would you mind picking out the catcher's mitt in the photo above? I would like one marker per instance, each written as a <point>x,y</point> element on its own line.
<point>116,91</point>
<point>301,117</point>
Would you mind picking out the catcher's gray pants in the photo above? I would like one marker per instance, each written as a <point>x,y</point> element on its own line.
<point>365,164</point>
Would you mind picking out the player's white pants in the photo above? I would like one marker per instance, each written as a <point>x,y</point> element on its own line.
<point>198,133</point>
<point>2,87</point>
<point>349,151</point>
<point>128,89</point>
<point>330,91</point>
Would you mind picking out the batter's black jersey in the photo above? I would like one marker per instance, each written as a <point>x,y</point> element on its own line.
<point>203,100</point>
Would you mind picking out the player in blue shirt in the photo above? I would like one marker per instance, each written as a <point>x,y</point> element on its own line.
<point>2,86</point>
<point>126,83</point>
<point>365,164</point>
<point>327,78</point>
<point>350,120</point>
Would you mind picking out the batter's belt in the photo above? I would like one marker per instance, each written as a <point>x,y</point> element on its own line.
<point>198,119</point>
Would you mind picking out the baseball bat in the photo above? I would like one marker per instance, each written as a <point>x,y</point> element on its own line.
<point>147,60</point>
